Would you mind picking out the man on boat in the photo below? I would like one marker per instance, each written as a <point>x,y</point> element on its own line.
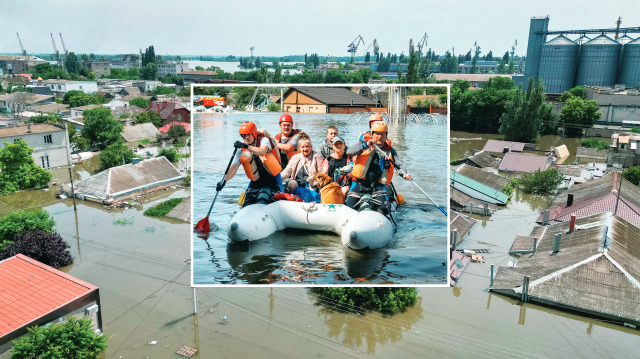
<point>372,172</point>
<point>259,158</point>
<point>287,140</point>
<point>326,148</point>
<point>366,136</point>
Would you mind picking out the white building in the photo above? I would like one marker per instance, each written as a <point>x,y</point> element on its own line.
<point>49,142</point>
<point>146,86</point>
<point>171,68</point>
<point>60,87</point>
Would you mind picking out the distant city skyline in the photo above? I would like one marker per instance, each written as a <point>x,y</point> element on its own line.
<point>280,28</point>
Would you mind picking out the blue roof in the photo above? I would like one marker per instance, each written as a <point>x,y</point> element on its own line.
<point>482,188</point>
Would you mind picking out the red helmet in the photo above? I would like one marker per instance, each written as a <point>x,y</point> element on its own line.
<point>286,118</point>
<point>375,117</point>
<point>249,128</point>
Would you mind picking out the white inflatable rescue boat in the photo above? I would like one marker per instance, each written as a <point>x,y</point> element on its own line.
<point>358,230</point>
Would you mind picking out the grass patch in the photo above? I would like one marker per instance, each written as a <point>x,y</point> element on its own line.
<point>163,208</point>
<point>595,143</point>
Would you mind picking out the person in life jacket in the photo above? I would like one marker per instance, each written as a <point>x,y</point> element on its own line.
<point>260,161</point>
<point>303,165</point>
<point>372,172</point>
<point>366,136</point>
<point>287,140</point>
<point>335,165</point>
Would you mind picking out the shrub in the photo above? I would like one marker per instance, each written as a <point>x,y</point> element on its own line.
<point>15,223</point>
<point>170,153</point>
<point>354,299</point>
<point>508,189</point>
<point>273,107</point>
<point>595,143</point>
<point>175,131</point>
<point>541,182</point>
<point>48,248</point>
<point>632,174</point>
<point>72,339</point>
<point>163,208</point>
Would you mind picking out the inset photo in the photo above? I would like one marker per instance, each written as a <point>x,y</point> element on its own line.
<point>320,185</point>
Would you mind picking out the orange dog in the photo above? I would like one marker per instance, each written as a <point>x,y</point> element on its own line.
<point>330,191</point>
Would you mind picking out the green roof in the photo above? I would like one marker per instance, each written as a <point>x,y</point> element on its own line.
<point>482,188</point>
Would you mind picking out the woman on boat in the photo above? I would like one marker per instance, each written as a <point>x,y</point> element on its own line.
<point>372,172</point>
<point>306,163</point>
<point>333,165</point>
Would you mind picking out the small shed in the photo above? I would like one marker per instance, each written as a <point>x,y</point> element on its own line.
<point>139,132</point>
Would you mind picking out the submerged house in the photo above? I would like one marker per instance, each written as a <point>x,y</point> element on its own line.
<point>125,180</point>
<point>592,267</point>
<point>478,190</point>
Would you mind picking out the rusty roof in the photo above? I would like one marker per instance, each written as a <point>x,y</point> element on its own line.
<point>499,146</point>
<point>23,130</point>
<point>487,178</point>
<point>30,290</point>
<point>523,162</point>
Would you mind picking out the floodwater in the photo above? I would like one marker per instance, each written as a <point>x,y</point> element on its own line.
<point>231,67</point>
<point>415,255</point>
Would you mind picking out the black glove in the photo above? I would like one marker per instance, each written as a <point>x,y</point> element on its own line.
<point>220,185</point>
<point>240,144</point>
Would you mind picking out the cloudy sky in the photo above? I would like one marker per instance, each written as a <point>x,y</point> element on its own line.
<point>195,27</point>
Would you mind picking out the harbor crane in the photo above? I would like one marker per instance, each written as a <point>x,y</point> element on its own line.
<point>252,48</point>
<point>422,43</point>
<point>477,51</point>
<point>513,48</point>
<point>24,52</point>
<point>353,46</point>
<point>376,47</point>
<point>618,26</point>
<point>66,53</point>
<point>58,59</point>
<point>411,47</point>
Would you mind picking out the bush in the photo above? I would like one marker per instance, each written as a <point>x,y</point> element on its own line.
<point>508,189</point>
<point>48,248</point>
<point>175,131</point>
<point>273,107</point>
<point>632,174</point>
<point>541,182</point>
<point>15,223</point>
<point>140,102</point>
<point>595,143</point>
<point>72,339</point>
<point>163,208</point>
<point>355,299</point>
<point>635,130</point>
<point>170,153</point>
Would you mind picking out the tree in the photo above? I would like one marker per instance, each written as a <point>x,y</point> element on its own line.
<point>511,68</point>
<point>48,248</point>
<point>578,114</point>
<point>71,63</point>
<point>100,129</point>
<point>367,57</point>
<point>77,143</point>
<point>14,223</point>
<point>74,338</point>
<point>140,102</point>
<point>501,67</point>
<point>632,174</point>
<point>69,94</point>
<point>577,91</point>
<point>277,75</point>
<point>489,56</point>
<point>149,56</point>
<point>474,65</point>
<point>149,71</point>
<point>412,70</point>
<point>114,155</point>
<point>169,153</point>
<point>541,182</point>
<point>357,299</point>
<point>162,90</point>
<point>175,131</point>
<point>81,99</point>
<point>525,114</point>
<point>18,170</point>
<point>449,64</point>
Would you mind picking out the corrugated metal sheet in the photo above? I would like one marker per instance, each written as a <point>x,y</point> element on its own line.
<point>482,188</point>
<point>139,132</point>
<point>334,96</point>
<point>461,199</point>
<point>523,162</point>
<point>462,224</point>
<point>487,178</point>
<point>558,64</point>
<point>483,159</point>
<point>630,66</point>
<point>598,64</point>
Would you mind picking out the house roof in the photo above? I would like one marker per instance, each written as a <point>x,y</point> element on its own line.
<point>165,111</point>
<point>197,72</point>
<point>492,180</point>
<point>462,199</point>
<point>23,130</point>
<point>483,159</point>
<point>462,224</point>
<point>139,132</point>
<point>126,179</point>
<point>165,128</point>
<point>523,162</point>
<point>480,187</point>
<point>333,96</point>
<point>499,146</point>
<point>25,97</point>
<point>133,91</point>
<point>51,108</point>
<point>30,290</point>
<point>126,110</point>
<point>467,77</point>
<point>86,107</point>
<point>583,275</point>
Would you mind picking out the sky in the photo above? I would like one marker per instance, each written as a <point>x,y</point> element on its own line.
<point>293,27</point>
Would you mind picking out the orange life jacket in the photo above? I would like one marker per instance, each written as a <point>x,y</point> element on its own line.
<point>290,153</point>
<point>270,161</point>
<point>362,163</point>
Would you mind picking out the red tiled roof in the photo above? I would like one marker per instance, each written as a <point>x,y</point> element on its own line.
<point>165,128</point>
<point>627,211</point>
<point>523,162</point>
<point>30,289</point>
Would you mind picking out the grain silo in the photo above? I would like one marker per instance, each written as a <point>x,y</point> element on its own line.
<point>630,65</point>
<point>598,62</point>
<point>558,64</point>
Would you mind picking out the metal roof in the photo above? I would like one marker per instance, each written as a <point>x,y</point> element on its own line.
<point>499,146</point>
<point>523,162</point>
<point>139,132</point>
<point>483,159</point>
<point>487,178</point>
<point>482,188</point>
<point>333,96</point>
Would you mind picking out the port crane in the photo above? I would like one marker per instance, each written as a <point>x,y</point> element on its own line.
<point>353,46</point>
<point>477,51</point>
<point>24,53</point>
<point>66,53</point>
<point>422,43</point>
<point>57,53</point>
<point>618,26</point>
<point>513,48</point>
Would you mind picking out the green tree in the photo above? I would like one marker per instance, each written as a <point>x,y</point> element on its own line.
<point>45,247</point>
<point>69,94</point>
<point>114,155</point>
<point>74,338</point>
<point>100,129</point>
<point>358,299</point>
<point>77,143</point>
<point>199,68</point>
<point>412,69</point>
<point>541,182</point>
<point>449,65</point>
<point>162,90</point>
<point>474,65</point>
<point>140,102</point>
<point>578,114</point>
<point>18,170</point>
<point>71,63</point>
<point>577,91</point>
<point>277,75</point>
<point>175,131</point>
<point>48,117</point>
<point>21,221</point>
<point>149,71</point>
<point>632,174</point>
<point>595,143</point>
<point>243,96</point>
<point>502,69</point>
<point>81,99</point>
<point>149,56</point>
<point>169,153</point>
<point>525,113</point>
<point>511,68</point>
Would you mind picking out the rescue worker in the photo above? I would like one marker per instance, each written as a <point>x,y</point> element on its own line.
<point>287,140</point>
<point>366,136</point>
<point>372,172</point>
<point>260,160</point>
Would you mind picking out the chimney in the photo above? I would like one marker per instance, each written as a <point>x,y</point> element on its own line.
<point>505,150</point>
<point>556,242</point>
<point>569,199</point>
<point>164,104</point>
<point>572,223</point>
<point>39,81</point>
<point>158,106</point>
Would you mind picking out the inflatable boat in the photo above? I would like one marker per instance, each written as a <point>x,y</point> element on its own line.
<point>357,230</point>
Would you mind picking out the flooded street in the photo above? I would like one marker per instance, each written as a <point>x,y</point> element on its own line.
<point>414,256</point>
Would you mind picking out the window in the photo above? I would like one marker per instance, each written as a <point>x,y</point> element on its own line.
<point>45,161</point>
<point>48,139</point>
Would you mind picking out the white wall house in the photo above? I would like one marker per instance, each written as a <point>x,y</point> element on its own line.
<point>171,68</point>
<point>49,143</point>
<point>60,87</point>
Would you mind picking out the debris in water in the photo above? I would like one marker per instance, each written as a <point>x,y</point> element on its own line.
<point>150,229</point>
<point>123,221</point>
<point>153,342</point>
<point>185,351</point>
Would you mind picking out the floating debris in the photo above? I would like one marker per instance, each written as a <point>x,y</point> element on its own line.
<point>150,229</point>
<point>123,221</point>
<point>187,352</point>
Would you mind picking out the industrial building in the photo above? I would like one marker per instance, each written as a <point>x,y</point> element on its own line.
<point>596,57</point>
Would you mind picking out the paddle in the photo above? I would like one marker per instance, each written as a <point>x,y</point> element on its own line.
<point>402,172</point>
<point>203,225</point>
